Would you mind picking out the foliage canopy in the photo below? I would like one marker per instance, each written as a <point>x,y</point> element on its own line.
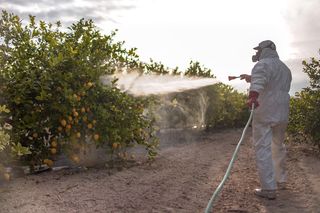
<point>304,122</point>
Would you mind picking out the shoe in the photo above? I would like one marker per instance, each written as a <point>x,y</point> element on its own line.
<point>264,193</point>
<point>282,185</point>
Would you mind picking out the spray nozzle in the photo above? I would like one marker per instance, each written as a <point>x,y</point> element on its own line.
<point>233,77</point>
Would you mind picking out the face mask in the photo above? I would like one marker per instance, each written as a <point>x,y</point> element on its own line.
<point>256,57</point>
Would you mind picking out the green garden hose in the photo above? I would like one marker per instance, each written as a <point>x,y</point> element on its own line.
<point>219,188</point>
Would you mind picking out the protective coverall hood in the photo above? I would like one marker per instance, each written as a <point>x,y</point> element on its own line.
<point>265,49</point>
<point>268,53</point>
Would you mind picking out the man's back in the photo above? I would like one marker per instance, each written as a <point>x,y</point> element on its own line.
<point>272,79</point>
<point>280,75</point>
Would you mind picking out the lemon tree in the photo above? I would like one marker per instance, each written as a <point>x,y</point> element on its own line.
<point>52,87</point>
<point>304,123</point>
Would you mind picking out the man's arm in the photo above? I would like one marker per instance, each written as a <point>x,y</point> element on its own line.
<point>246,77</point>
<point>259,77</point>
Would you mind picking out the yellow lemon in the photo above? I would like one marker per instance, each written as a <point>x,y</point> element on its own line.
<point>89,84</point>
<point>48,162</point>
<point>75,114</point>
<point>96,137</point>
<point>53,151</point>
<point>54,144</point>
<point>75,158</point>
<point>114,145</point>
<point>63,122</point>
<point>78,135</point>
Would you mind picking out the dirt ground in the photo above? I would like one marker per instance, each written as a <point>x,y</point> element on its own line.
<point>181,179</point>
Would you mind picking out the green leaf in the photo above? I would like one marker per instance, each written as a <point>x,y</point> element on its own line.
<point>19,150</point>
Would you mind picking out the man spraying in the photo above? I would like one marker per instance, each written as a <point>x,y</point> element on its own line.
<point>270,81</point>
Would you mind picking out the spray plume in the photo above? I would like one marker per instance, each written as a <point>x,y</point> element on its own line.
<point>152,84</point>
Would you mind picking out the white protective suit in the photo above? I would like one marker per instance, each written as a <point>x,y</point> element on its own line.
<point>271,78</point>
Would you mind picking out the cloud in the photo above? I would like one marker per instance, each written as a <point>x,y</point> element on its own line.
<point>299,78</point>
<point>68,11</point>
<point>29,3</point>
<point>302,19</point>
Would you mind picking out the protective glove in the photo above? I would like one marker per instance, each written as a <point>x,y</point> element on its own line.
<point>246,77</point>
<point>253,99</point>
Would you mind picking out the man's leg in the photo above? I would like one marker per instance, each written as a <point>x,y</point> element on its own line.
<point>262,139</point>
<point>279,152</point>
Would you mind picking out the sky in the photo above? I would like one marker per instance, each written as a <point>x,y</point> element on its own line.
<point>220,34</point>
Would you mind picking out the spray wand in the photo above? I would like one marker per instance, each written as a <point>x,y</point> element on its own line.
<point>233,77</point>
<point>246,77</point>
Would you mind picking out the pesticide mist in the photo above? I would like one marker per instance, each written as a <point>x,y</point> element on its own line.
<point>182,101</point>
<point>152,84</point>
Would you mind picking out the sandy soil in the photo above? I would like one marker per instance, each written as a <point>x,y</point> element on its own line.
<point>182,179</point>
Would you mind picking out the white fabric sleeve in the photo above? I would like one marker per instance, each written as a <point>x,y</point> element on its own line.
<point>259,77</point>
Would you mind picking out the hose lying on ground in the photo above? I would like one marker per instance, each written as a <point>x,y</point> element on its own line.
<point>218,189</point>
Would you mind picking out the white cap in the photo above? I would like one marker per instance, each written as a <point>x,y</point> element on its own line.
<point>265,44</point>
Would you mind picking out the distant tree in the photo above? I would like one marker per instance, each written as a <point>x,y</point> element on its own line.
<point>305,107</point>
